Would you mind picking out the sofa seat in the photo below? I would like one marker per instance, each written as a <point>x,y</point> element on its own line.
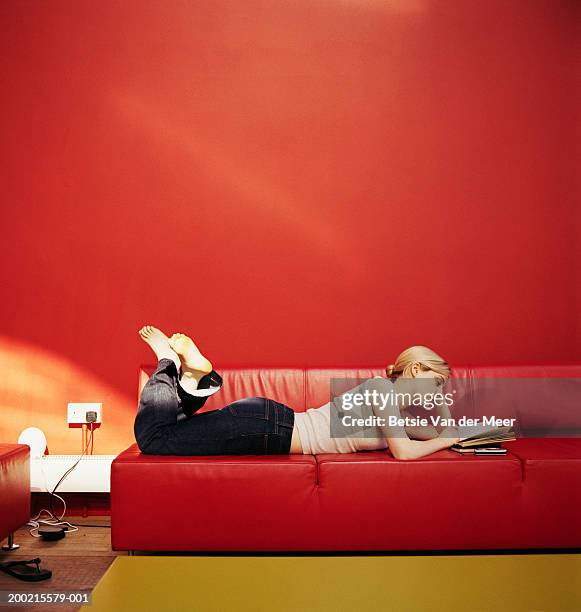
<point>14,487</point>
<point>372,501</point>
<point>225,502</point>
<point>551,489</point>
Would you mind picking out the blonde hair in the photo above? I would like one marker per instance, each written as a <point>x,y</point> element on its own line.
<point>427,358</point>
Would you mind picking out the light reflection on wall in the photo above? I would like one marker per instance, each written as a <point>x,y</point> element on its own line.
<point>249,183</point>
<point>35,388</point>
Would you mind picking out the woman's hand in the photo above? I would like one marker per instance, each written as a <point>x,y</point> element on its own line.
<point>451,434</point>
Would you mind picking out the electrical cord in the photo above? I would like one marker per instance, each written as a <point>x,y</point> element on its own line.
<point>69,471</point>
<point>36,521</point>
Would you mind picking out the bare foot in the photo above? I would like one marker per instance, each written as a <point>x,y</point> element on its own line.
<point>193,362</point>
<point>159,343</point>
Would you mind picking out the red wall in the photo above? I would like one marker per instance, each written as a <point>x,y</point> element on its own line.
<point>290,182</point>
<point>575,263</point>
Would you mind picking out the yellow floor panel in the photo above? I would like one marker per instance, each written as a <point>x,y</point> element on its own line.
<point>495,583</point>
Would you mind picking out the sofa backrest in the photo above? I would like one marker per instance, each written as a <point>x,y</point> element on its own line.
<point>285,385</point>
<point>548,404</point>
<point>302,388</point>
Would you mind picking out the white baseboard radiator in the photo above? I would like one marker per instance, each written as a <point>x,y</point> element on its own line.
<point>91,475</point>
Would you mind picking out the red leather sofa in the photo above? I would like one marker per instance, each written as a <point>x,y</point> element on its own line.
<point>14,489</point>
<point>366,501</point>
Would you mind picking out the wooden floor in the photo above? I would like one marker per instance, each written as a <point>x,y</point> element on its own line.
<point>77,562</point>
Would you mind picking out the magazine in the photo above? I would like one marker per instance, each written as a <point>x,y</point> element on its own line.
<point>482,436</point>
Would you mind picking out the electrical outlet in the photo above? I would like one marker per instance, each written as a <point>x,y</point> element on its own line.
<point>77,412</point>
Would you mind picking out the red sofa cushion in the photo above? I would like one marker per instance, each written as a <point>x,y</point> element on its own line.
<point>371,501</point>
<point>551,489</point>
<point>242,502</point>
<point>540,407</point>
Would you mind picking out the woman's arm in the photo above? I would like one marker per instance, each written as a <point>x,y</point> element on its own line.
<point>420,432</point>
<point>444,412</point>
<point>397,438</point>
<point>427,432</point>
<point>414,449</point>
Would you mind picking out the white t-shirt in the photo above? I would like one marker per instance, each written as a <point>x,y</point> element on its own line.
<point>314,428</point>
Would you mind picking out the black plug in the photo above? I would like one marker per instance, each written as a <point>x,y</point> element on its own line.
<point>91,416</point>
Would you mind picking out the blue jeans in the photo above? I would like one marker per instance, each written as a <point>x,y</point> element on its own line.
<point>254,425</point>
